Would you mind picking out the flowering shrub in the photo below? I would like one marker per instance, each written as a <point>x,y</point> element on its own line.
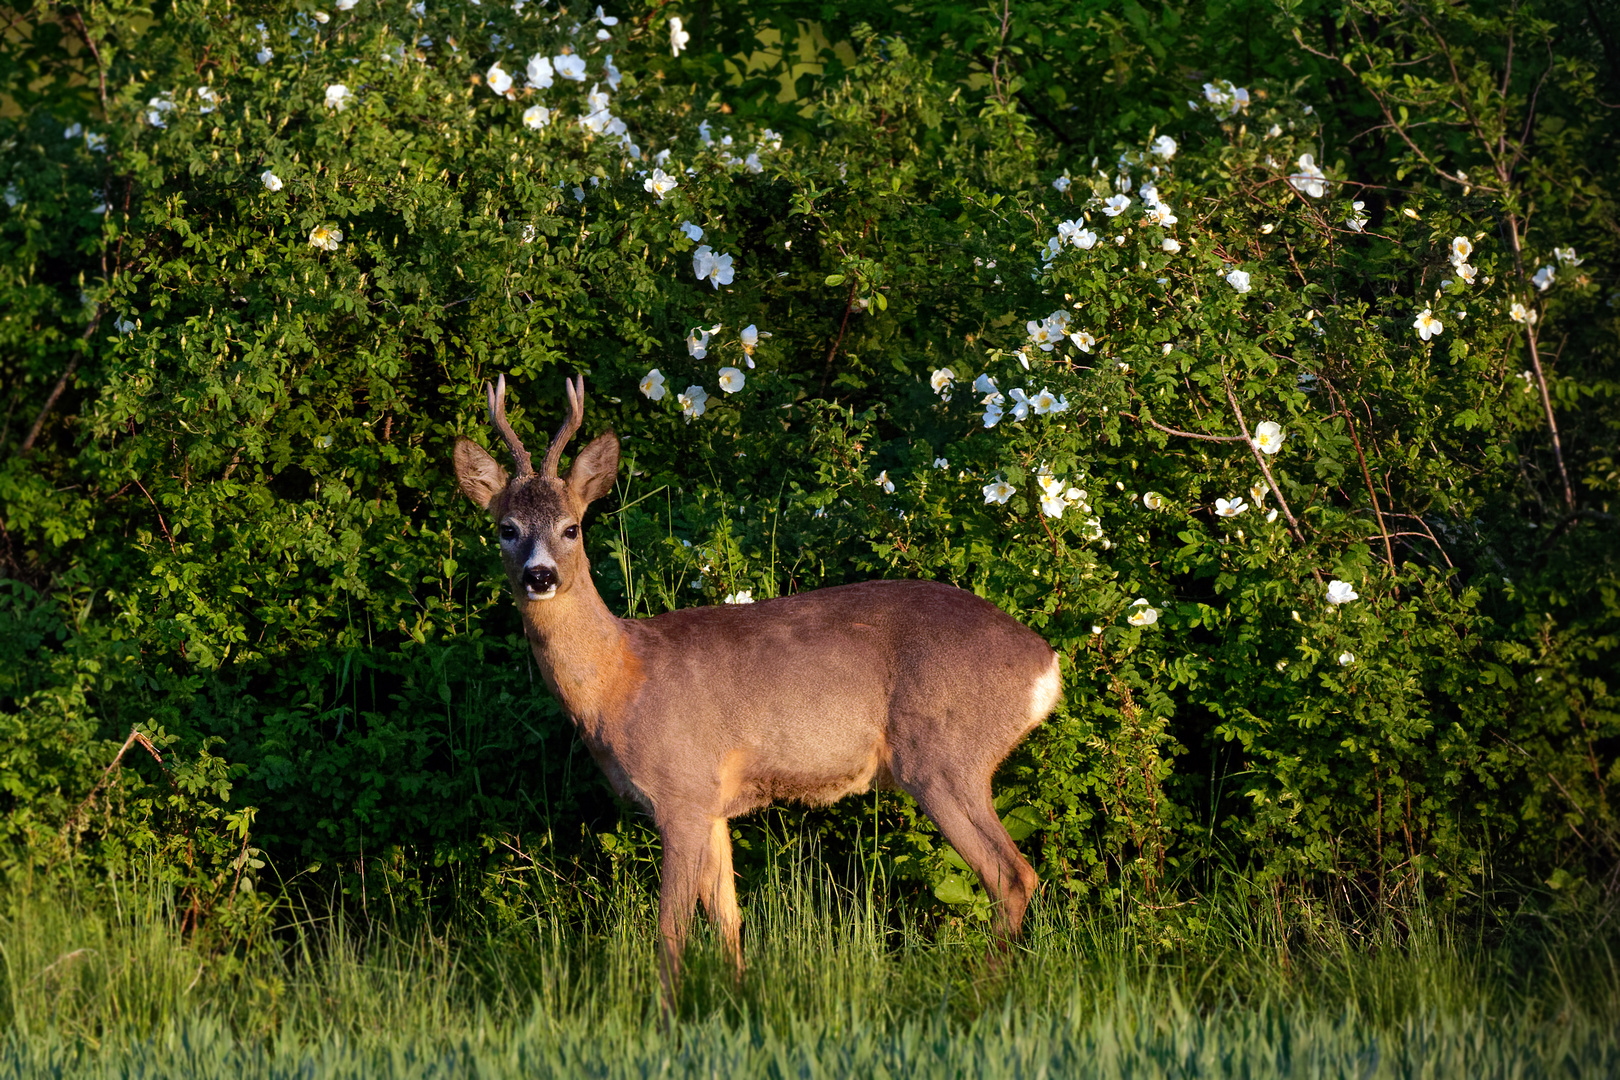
<point>1244,439</point>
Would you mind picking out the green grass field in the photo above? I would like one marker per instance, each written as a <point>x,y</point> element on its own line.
<point>102,982</point>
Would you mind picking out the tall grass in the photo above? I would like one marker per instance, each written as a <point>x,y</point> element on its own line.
<point>101,981</point>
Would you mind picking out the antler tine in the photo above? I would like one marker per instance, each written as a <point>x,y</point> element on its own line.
<point>497,420</point>
<point>576,416</point>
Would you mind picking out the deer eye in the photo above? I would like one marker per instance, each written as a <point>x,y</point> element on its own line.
<point>572,532</point>
<point>508,531</point>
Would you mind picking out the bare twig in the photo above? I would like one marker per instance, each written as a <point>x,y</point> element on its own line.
<point>1271,481</point>
<point>1366,475</point>
<point>849,302</point>
<point>161,523</point>
<point>79,28</point>
<point>1183,434</point>
<point>135,736</point>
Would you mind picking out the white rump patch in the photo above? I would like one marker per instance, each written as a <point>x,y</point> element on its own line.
<point>1045,692</point>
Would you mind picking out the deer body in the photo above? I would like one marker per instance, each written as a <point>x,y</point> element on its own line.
<point>703,714</point>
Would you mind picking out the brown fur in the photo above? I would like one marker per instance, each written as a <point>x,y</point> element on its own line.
<point>703,714</point>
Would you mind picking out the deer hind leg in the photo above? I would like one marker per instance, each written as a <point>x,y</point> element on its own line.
<point>973,829</point>
<point>719,892</point>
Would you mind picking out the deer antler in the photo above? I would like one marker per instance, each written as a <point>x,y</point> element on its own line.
<point>576,416</point>
<point>497,420</point>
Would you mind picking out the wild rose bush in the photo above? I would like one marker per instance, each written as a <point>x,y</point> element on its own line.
<point>1249,443</point>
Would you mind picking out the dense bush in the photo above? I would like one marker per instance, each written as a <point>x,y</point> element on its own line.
<point>251,299</point>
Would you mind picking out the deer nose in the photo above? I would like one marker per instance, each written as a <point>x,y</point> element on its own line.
<point>539,578</point>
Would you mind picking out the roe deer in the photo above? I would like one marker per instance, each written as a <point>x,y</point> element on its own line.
<point>702,714</point>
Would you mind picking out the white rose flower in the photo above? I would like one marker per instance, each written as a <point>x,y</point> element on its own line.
<point>1171,244</point>
<point>539,72</point>
<point>270,180</point>
<point>1268,437</point>
<point>1310,179</point>
<point>693,233</point>
<point>715,269</point>
<point>1346,659</point>
<point>1461,248</point>
<point>1427,326</point>
<point>732,379</point>
<point>997,492</point>
<point>660,183</point>
<point>498,79</point>
<point>1153,500</point>
<point>1341,592</point>
<point>1040,335</point>
<point>678,37</point>
<point>156,110</point>
<point>1046,402</point>
<point>325,237</point>
<point>741,596</point>
<point>1141,613</point>
<point>693,402</point>
<point>1543,279</point>
<point>337,97</point>
<point>884,482</point>
<point>1165,147</point>
<point>1116,205</point>
<point>569,66</point>
<point>652,384</point>
<point>697,343</point>
<point>1239,280</point>
<point>941,381</point>
<point>1230,508</point>
<point>750,337</point>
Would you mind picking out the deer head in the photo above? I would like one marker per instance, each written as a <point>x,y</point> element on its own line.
<point>538,514</point>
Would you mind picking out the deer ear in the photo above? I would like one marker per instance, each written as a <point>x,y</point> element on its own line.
<point>481,476</point>
<point>592,473</point>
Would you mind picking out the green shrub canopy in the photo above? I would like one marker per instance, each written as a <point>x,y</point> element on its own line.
<point>1302,461</point>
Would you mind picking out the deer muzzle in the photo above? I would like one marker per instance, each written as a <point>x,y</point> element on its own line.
<point>540,581</point>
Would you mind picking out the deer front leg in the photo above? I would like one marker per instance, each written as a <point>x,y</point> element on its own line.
<point>681,880</point>
<point>719,893</point>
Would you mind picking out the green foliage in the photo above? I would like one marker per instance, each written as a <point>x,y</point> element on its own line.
<point>236,523</point>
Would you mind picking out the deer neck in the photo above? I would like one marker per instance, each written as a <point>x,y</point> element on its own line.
<point>584,654</point>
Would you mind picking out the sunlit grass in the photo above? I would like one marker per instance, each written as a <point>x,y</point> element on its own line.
<point>562,982</point>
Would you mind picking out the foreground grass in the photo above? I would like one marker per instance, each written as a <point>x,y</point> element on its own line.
<point>105,984</point>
